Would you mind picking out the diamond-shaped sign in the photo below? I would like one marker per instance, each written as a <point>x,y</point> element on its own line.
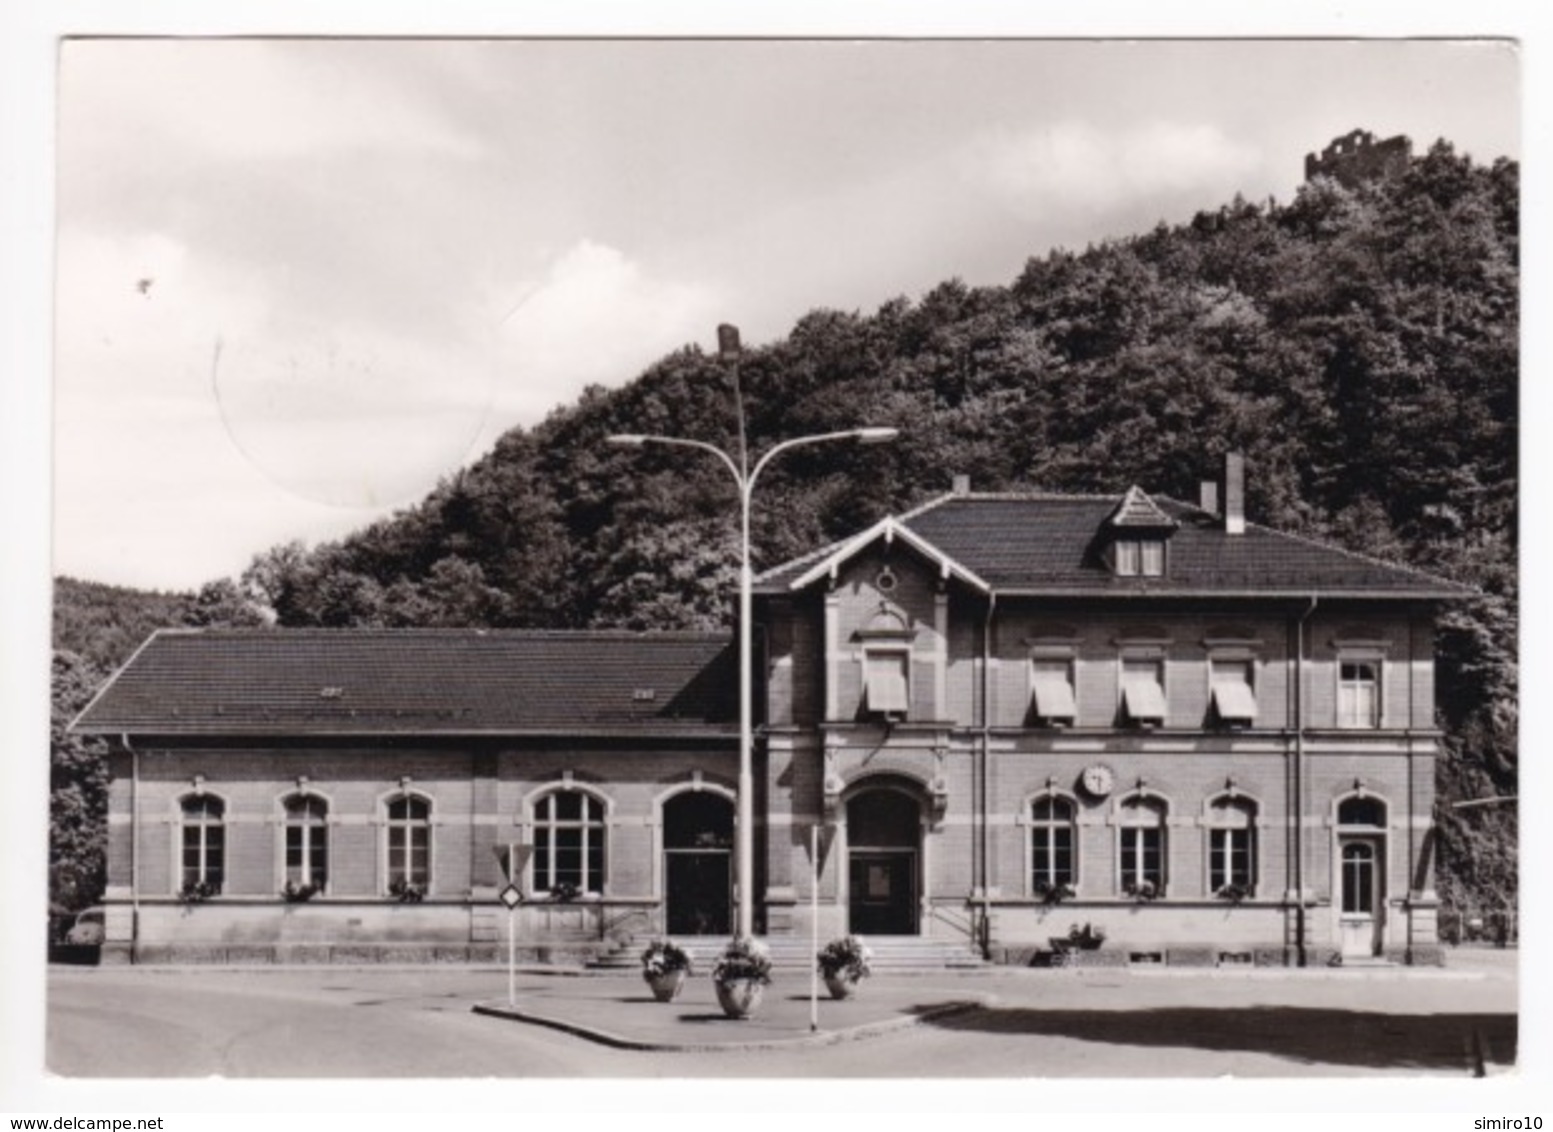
<point>510,896</point>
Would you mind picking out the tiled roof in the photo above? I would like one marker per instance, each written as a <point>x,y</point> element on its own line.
<point>421,682</point>
<point>1137,510</point>
<point>1047,544</point>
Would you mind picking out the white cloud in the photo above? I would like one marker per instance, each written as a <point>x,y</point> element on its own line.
<point>597,317</point>
<point>244,100</point>
<point>1073,165</point>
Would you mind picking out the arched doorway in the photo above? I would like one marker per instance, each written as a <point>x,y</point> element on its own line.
<point>884,843</point>
<point>697,863</point>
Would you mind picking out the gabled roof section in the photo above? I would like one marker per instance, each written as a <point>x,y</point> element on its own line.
<point>1137,511</point>
<point>421,682</point>
<point>888,530</point>
<point>1042,544</point>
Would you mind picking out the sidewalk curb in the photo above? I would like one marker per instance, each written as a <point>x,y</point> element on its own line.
<point>821,1038</point>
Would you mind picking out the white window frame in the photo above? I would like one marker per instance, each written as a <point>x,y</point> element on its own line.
<point>1253,671</point>
<point>548,827</point>
<point>1374,658</point>
<point>406,825</point>
<point>1141,799</point>
<point>283,865</point>
<point>1054,658</point>
<point>204,825</point>
<point>1213,823</point>
<point>1140,656</point>
<point>900,653</point>
<point>1037,827</point>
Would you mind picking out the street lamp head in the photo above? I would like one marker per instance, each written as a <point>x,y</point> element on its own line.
<point>727,342</point>
<point>627,440</point>
<point>876,435</point>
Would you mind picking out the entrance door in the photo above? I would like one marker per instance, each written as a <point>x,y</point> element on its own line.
<point>884,831</point>
<point>697,864</point>
<point>1360,918</point>
<point>883,890</point>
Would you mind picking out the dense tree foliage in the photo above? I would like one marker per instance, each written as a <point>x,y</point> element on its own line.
<point>1358,344</point>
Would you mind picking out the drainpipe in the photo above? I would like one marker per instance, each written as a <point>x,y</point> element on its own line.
<point>1299,780</point>
<point>134,845</point>
<point>986,762</point>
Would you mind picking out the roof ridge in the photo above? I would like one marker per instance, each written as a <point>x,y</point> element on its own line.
<point>443,631</point>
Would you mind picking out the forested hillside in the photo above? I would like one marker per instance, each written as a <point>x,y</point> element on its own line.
<point>1359,345</point>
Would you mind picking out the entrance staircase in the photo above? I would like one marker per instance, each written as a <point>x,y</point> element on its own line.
<point>892,955</point>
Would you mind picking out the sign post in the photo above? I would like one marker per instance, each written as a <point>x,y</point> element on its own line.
<point>511,897</point>
<point>814,927</point>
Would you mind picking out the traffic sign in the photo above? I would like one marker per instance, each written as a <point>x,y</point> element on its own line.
<point>510,896</point>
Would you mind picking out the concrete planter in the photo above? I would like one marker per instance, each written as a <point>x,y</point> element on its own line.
<point>666,987</point>
<point>739,998</point>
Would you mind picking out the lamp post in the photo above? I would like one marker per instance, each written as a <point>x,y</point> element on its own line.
<point>746,477</point>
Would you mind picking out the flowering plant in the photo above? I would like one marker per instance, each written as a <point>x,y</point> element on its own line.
<point>847,956</point>
<point>564,892</point>
<point>406,891</point>
<point>1087,938</point>
<point>1234,893</point>
<point>294,893</point>
<point>664,956</point>
<point>1054,893</point>
<point>1144,889</point>
<point>743,958</point>
<point>198,891</point>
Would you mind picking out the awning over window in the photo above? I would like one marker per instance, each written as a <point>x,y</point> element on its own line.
<point>1234,702</point>
<point>1144,701</point>
<point>1054,698</point>
<point>887,689</point>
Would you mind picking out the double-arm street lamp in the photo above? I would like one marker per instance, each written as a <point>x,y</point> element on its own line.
<point>746,477</point>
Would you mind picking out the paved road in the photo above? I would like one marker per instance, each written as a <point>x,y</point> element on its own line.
<point>327,1023</point>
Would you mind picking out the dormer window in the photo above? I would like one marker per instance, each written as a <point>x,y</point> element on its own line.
<point>1139,558</point>
<point>1134,535</point>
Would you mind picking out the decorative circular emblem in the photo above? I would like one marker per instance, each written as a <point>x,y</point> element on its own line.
<point>886,581</point>
<point>1098,780</point>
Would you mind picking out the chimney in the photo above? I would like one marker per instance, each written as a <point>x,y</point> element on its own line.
<point>962,484</point>
<point>1208,496</point>
<point>1234,493</point>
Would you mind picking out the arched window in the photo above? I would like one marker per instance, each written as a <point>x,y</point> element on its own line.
<point>1231,845</point>
<point>569,836</point>
<point>1362,810</point>
<point>307,841</point>
<point>1052,859</point>
<point>1142,856</point>
<point>409,842</point>
<point>204,844</point>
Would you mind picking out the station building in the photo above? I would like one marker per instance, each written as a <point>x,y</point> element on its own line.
<point>1006,716</point>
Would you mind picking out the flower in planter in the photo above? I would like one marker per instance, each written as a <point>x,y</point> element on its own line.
<point>197,891</point>
<point>564,892</point>
<point>1144,890</point>
<point>294,893</point>
<point>743,959</point>
<point>846,957</point>
<point>1234,893</point>
<point>664,956</point>
<point>1087,938</point>
<point>406,891</point>
<point>1054,893</point>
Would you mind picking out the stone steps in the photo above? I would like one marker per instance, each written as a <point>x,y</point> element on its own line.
<point>898,954</point>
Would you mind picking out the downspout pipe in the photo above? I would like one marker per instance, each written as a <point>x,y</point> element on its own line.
<point>1299,782</point>
<point>986,763</point>
<point>134,845</point>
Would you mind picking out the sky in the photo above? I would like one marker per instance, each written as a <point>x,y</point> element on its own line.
<point>301,280</point>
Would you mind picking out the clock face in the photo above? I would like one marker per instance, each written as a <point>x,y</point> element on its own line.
<point>1097,780</point>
